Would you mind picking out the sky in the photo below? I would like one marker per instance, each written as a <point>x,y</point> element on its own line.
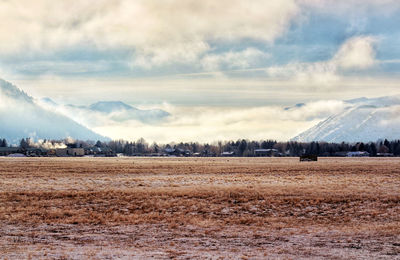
<point>233,65</point>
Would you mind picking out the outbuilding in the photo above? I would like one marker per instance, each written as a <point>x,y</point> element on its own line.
<point>266,152</point>
<point>6,151</point>
<point>65,152</point>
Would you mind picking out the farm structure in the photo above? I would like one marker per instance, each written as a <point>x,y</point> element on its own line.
<point>358,154</point>
<point>5,151</point>
<point>267,152</point>
<point>70,152</point>
<point>308,158</point>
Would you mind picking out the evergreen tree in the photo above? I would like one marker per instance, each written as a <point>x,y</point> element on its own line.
<point>3,143</point>
<point>24,143</point>
<point>374,150</point>
<point>242,147</point>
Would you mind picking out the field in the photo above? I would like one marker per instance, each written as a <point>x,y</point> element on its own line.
<point>240,208</point>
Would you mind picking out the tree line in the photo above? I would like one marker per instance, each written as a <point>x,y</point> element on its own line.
<point>247,148</point>
<point>242,147</point>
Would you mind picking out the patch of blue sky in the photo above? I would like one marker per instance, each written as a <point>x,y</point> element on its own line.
<point>388,47</point>
<point>315,38</point>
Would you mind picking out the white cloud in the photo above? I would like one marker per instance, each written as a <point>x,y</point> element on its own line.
<point>356,53</point>
<point>57,67</point>
<point>157,32</point>
<point>352,7</point>
<point>160,33</point>
<point>319,73</point>
<point>233,60</point>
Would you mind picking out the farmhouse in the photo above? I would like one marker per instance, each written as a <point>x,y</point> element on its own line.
<point>227,154</point>
<point>385,154</point>
<point>36,152</point>
<point>177,152</point>
<point>5,151</point>
<point>340,154</point>
<point>266,152</point>
<point>358,154</point>
<point>170,151</point>
<point>99,152</point>
<point>65,152</point>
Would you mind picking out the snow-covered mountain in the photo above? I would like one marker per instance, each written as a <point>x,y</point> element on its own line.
<point>21,117</point>
<point>111,106</point>
<point>122,112</point>
<point>363,120</point>
<point>104,111</point>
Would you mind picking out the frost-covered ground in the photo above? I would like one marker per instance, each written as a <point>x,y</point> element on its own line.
<point>185,208</point>
<point>160,241</point>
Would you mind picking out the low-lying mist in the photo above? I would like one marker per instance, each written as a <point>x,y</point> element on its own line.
<point>207,124</point>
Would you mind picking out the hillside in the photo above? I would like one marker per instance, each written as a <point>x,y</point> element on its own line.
<point>21,117</point>
<point>363,120</point>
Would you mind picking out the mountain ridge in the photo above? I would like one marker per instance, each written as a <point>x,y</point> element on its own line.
<point>21,117</point>
<point>110,106</point>
<point>114,110</point>
<point>364,120</point>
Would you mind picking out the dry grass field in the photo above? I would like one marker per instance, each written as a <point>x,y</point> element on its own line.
<point>185,208</point>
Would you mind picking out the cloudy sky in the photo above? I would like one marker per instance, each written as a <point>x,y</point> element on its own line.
<point>223,69</point>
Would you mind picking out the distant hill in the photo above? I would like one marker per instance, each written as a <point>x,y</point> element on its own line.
<point>110,106</point>
<point>120,111</point>
<point>112,110</point>
<point>363,120</point>
<point>21,117</point>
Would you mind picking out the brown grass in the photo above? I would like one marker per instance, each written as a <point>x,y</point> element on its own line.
<point>213,198</point>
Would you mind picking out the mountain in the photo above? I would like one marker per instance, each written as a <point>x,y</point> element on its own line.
<point>111,106</point>
<point>120,111</point>
<point>363,120</point>
<point>49,101</point>
<point>21,117</point>
<point>100,113</point>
